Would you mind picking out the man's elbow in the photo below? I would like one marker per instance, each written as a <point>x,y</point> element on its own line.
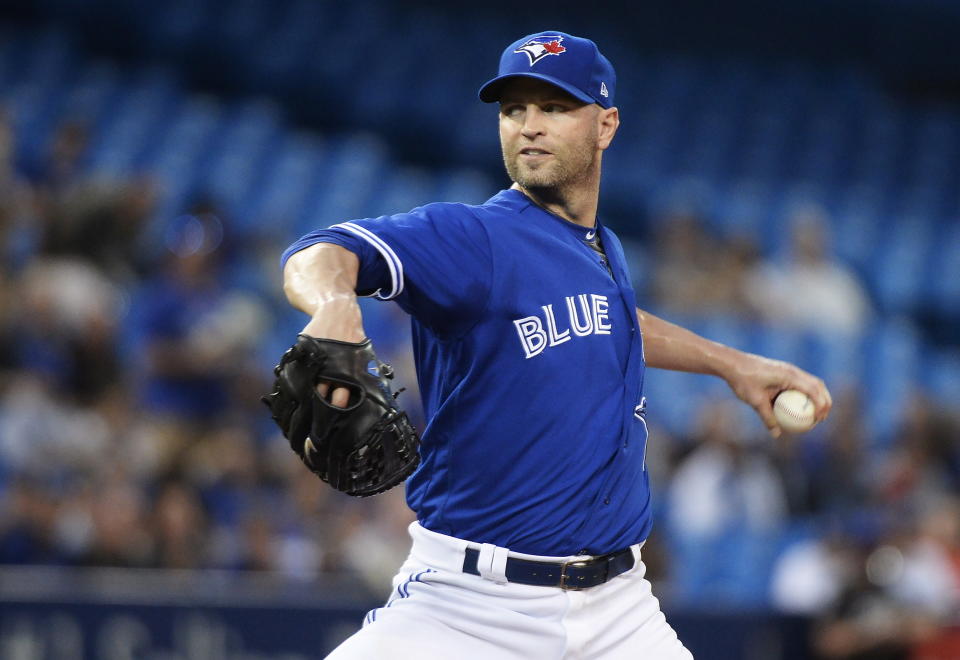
<point>320,267</point>
<point>291,275</point>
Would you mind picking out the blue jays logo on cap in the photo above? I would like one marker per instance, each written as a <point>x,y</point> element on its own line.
<point>539,47</point>
<point>579,68</point>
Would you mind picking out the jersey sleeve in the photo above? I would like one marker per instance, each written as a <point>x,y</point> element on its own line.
<point>434,261</point>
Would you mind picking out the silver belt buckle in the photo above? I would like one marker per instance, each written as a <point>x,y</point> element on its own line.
<point>564,584</point>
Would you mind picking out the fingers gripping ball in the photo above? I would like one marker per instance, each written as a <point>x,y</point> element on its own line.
<point>363,449</point>
<point>794,411</point>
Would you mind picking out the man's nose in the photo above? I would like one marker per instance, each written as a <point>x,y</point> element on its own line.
<point>532,122</point>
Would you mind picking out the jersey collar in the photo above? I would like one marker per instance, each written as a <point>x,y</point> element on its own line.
<point>523,201</point>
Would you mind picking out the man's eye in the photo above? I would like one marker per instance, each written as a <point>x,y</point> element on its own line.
<point>554,107</point>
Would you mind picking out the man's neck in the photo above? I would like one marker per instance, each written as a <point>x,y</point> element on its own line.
<point>577,206</point>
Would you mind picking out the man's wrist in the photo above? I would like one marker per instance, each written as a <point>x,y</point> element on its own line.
<point>722,360</point>
<point>337,319</point>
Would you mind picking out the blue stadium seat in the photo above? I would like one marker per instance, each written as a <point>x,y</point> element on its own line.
<point>465,185</point>
<point>45,65</point>
<point>898,270</point>
<point>834,358</point>
<point>51,54</point>
<point>176,161</point>
<point>142,111</point>
<point>857,221</point>
<point>891,366</point>
<point>353,170</point>
<point>404,189</point>
<point>250,131</point>
<point>176,24</point>
<point>289,179</point>
<point>945,262</point>
<point>92,96</point>
<point>779,343</point>
<point>941,375</point>
<point>932,157</point>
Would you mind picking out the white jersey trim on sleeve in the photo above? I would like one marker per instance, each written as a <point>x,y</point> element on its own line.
<point>394,265</point>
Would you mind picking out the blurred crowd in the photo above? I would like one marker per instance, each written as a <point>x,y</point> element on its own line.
<point>864,542</point>
<point>131,432</point>
<point>697,273</point>
<point>134,349</point>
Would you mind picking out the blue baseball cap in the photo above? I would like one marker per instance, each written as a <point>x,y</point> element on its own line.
<point>573,64</point>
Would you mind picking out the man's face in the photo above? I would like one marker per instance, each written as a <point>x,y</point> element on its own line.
<point>549,138</point>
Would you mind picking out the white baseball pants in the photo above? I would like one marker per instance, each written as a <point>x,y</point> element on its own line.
<point>436,611</point>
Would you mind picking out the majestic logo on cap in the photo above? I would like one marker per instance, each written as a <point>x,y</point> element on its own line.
<point>539,47</point>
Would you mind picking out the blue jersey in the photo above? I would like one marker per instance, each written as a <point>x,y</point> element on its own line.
<point>530,364</point>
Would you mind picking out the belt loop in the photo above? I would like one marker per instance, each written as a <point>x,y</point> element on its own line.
<point>499,564</point>
<point>492,563</point>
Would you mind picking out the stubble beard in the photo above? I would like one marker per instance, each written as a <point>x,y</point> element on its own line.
<point>551,179</point>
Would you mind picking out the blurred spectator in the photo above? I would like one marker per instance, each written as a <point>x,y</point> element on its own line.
<point>809,577</point>
<point>120,531</point>
<point>66,324</point>
<point>59,167</point>
<point>930,579</point>
<point>196,334</point>
<point>726,481</point>
<point>254,550</point>
<point>813,291</point>
<point>725,504</point>
<point>17,203</point>
<point>180,528</point>
<point>698,273</point>
<point>739,258</point>
<point>26,514</point>
<point>101,222</point>
<point>842,473</point>
<point>686,264</point>
<point>44,436</point>
<point>920,468</point>
<point>369,541</point>
<point>869,621</point>
<point>98,220</point>
<point>789,459</point>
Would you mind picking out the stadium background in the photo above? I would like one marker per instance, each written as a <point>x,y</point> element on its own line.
<point>156,157</point>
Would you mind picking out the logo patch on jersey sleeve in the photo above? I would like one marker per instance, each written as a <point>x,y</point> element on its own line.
<point>538,48</point>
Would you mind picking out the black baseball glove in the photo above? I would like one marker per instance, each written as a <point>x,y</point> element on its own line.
<point>363,449</point>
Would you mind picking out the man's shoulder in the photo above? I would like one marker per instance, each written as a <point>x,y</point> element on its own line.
<point>499,204</point>
<point>470,216</point>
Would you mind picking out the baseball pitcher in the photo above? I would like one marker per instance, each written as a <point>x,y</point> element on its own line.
<point>529,483</point>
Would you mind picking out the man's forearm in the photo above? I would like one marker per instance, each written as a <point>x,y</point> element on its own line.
<point>321,281</point>
<point>755,379</point>
<point>668,346</point>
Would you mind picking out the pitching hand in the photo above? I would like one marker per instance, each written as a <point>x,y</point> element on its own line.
<point>758,380</point>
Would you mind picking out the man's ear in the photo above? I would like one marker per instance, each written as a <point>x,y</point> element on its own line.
<point>608,121</point>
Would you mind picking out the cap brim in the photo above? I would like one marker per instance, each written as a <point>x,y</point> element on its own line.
<point>490,92</point>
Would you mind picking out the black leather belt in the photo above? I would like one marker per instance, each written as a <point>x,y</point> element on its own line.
<point>568,575</point>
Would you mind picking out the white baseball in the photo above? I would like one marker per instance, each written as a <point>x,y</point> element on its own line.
<point>794,411</point>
